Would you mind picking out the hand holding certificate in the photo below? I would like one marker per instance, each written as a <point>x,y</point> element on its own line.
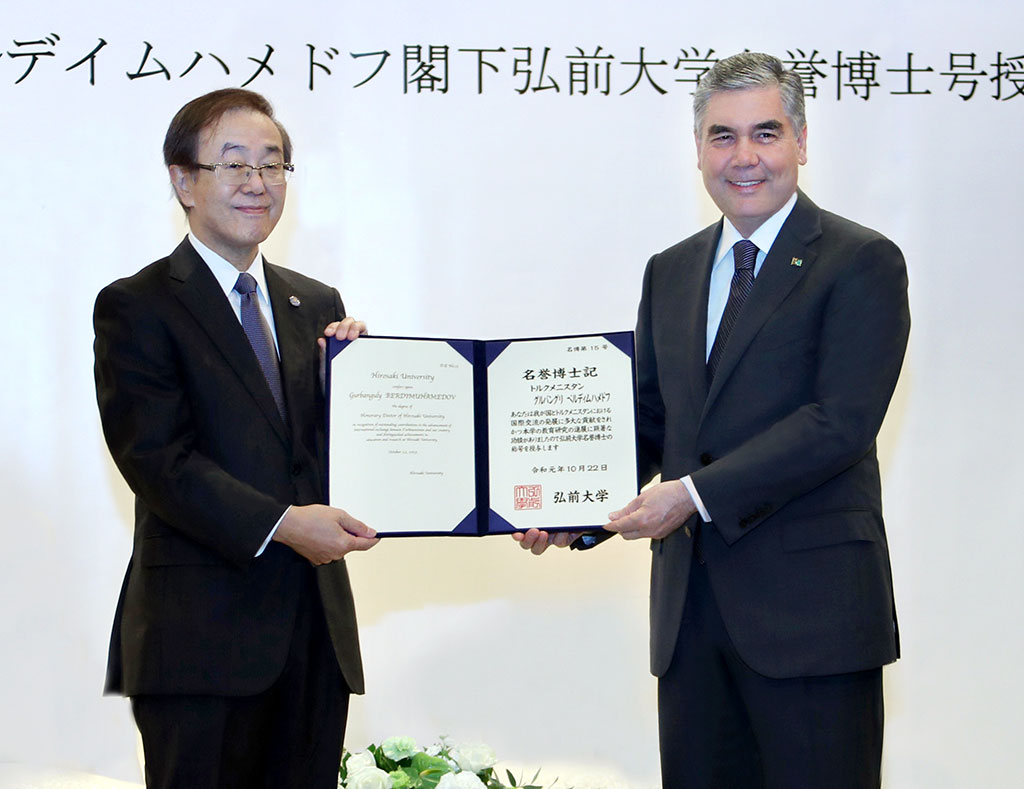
<point>473,437</point>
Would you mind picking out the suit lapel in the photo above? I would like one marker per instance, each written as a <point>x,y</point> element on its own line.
<point>695,313</point>
<point>787,262</point>
<point>299,353</point>
<point>198,290</point>
<point>679,320</point>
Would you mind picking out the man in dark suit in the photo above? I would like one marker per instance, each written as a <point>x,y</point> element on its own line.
<point>764,373</point>
<point>235,632</point>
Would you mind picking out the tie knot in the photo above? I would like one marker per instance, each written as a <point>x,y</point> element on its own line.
<point>744,253</point>
<point>245,284</point>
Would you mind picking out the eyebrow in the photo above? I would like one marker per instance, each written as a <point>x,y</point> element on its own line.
<point>233,146</point>
<point>717,128</point>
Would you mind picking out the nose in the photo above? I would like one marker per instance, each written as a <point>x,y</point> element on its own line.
<point>255,182</point>
<point>745,154</point>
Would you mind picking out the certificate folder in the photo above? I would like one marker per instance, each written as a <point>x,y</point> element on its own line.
<point>475,437</point>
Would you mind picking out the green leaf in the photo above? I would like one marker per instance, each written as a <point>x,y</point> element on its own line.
<point>404,778</point>
<point>429,769</point>
<point>383,762</point>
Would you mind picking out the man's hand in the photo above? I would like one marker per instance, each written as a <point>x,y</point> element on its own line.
<point>537,541</point>
<point>323,534</point>
<point>655,513</point>
<point>347,329</point>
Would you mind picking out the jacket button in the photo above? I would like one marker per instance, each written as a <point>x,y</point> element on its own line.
<point>706,459</point>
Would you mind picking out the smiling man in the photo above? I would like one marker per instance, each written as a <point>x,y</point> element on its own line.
<point>768,347</point>
<point>235,633</point>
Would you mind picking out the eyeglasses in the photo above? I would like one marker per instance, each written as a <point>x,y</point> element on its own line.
<point>237,173</point>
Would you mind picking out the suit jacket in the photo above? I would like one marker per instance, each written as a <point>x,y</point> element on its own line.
<point>193,427</point>
<point>781,445</point>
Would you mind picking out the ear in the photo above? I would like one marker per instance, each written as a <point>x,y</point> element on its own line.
<point>801,144</point>
<point>696,142</point>
<point>182,180</point>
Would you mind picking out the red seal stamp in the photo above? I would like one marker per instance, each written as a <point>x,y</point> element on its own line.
<point>527,497</point>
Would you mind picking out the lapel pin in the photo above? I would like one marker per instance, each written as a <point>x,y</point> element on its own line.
<point>294,301</point>
<point>798,262</point>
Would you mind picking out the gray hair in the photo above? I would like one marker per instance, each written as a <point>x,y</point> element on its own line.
<point>751,70</point>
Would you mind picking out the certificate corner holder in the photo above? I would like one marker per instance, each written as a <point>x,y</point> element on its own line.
<point>470,525</point>
<point>625,341</point>
<point>336,346</point>
<point>495,524</point>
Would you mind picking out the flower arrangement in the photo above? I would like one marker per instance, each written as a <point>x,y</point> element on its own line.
<point>399,763</point>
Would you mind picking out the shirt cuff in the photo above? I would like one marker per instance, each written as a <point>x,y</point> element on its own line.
<point>273,531</point>
<point>704,514</point>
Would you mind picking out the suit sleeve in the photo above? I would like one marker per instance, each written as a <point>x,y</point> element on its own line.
<point>863,334</point>
<point>151,431</point>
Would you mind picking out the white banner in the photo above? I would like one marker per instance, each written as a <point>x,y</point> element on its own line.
<point>498,170</point>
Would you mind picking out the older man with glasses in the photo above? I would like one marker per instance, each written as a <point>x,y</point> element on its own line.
<point>235,632</point>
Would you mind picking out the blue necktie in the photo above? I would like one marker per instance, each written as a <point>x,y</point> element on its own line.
<point>744,255</point>
<point>258,332</point>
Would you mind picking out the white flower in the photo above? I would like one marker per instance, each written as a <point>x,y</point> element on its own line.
<point>474,758</point>
<point>368,778</point>
<point>398,748</point>
<point>460,781</point>
<point>360,761</point>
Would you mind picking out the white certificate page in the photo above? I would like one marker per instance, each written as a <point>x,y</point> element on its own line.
<point>561,432</point>
<point>401,452</point>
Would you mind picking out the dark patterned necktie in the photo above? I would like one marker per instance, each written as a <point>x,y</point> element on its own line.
<point>744,254</point>
<point>258,332</point>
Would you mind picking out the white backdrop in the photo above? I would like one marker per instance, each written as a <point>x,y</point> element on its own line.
<point>498,214</point>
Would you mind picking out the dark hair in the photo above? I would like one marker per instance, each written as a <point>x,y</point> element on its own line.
<point>752,70</point>
<point>181,144</point>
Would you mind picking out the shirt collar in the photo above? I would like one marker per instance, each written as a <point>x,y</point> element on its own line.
<point>763,237</point>
<point>226,274</point>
